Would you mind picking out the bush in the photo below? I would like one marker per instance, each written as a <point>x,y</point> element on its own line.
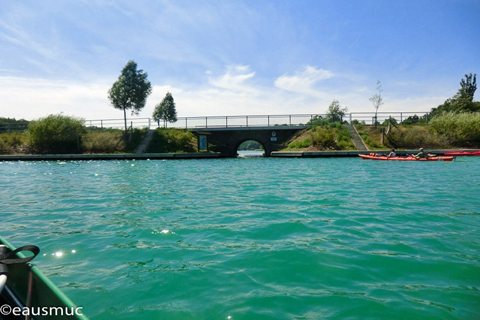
<point>12,142</point>
<point>300,144</point>
<point>172,140</point>
<point>458,128</point>
<point>413,137</point>
<point>109,141</point>
<point>56,134</point>
<point>323,138</point>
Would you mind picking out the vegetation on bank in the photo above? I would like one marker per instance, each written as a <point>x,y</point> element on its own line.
<point>63,134</point>
<point>56,134</point>
<point>454,124</point>
<point>172,141</point>
<point>328,136</point>
<point>446,131</point>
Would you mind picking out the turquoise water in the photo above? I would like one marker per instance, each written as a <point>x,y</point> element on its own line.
<point>257,238</point>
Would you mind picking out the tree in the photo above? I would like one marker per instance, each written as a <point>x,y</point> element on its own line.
<point>377,100</point>
<point>130,91</point>
<point>462,101</point>
<point>165,110</point>
<point>468,87</point>
<point>335,111</point>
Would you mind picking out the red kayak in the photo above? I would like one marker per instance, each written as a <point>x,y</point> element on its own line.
<point>463,153</point>
<point>408,158</point>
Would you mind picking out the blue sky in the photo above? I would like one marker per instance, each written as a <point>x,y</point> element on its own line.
<point>235,57</point>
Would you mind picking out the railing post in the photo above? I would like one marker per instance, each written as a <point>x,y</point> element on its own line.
<point>401,120</point>
<point>268,120</point>
<point>186,123</point>
<point>290,120</point>
<point>246,118</point>
<point>148,123</point>
<point>226,121</point>
<point>206,123</point>
<point>101,124</point>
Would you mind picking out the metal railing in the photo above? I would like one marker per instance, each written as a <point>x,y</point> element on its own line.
<point>247,120</point>
<point>230,121</point>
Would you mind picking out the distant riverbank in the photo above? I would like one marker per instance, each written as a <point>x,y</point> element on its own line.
<point>205,155</point>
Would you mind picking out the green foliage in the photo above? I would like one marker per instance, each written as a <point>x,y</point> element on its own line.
<point>130,91</point>
<point>335,111</point>
<point>323,138</point>
<point>335,136</point>
<point>462,101</point>
<point>469,85</point>
<point>250,145</point>
<point>106,141</point>
<point>12,142</point>
<point>165,110</point>
<point>135,138</point>
<point>172,140</point>
<point>300,144</point>
<point>414,137</point>
<point>416,119</point>
<point>317,121</point>
<point>386,122</point>
<point>458,128</point>
<point>8,125</point>
<point>330,136</point>
<point>56,134</point>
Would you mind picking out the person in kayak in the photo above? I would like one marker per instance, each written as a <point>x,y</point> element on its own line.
<point>421,154</point>
<point>392,153</point>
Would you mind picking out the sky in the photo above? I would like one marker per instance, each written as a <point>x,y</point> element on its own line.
<point>242,57</point>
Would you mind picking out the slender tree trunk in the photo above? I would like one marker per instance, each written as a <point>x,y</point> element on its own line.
<point>125,118</point>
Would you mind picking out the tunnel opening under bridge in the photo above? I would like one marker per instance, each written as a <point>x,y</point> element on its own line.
<point>250,148</point>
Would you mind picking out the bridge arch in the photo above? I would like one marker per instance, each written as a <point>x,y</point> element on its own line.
<point>241,142</point>
<point>227,140</point>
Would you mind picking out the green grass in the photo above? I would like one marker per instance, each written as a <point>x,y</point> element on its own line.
<point>172,141</point>
<point>329,136</point>
<point>13,142</point>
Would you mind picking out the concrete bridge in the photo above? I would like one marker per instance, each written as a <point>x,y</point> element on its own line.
<point>227,140</point>
<point>225,134</point>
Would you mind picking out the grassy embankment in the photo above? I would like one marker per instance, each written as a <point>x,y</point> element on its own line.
<point>447,131</point>
<point>327,137</point>
<point>107,141</point>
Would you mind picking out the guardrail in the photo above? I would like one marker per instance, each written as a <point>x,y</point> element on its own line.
<point>230,121</point>
<point>247,120</point>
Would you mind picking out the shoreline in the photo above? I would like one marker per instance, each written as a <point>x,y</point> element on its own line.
<point>199,155</point>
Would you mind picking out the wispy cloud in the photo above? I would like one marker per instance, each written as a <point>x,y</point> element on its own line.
<point>303,82</point>
<point>234,79</point>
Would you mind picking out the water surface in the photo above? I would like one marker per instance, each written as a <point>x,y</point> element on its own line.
<point>252,238</point>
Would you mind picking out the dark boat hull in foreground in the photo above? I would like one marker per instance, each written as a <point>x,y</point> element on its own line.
<point>29,290</point>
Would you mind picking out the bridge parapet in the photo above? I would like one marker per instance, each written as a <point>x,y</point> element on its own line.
<point>246,121</point>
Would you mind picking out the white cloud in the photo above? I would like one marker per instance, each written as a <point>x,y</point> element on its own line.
<point>233,93</point>
<point>234,79</point>
<point>303,82</point>
<point>36,98</point>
